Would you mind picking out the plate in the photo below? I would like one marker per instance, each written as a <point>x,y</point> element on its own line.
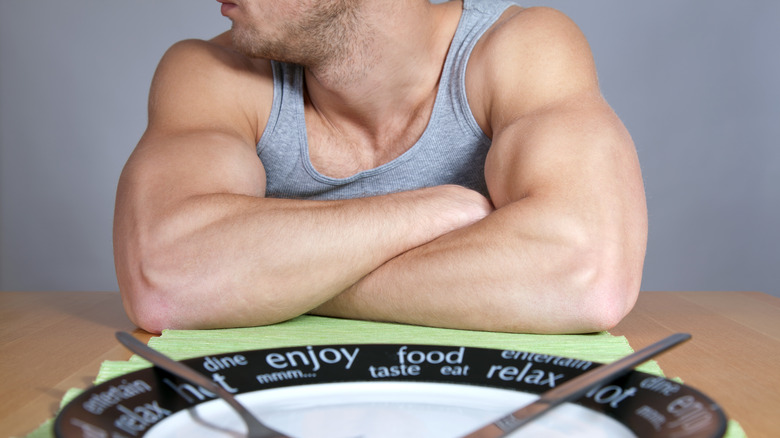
<point>385,390</point>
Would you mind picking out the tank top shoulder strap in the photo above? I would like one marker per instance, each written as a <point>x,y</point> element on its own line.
<point>478,16</point>
<point>287,105</point>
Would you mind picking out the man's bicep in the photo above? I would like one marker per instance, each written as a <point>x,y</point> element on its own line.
<point>169,168</point>
<point>578,151</point>
<point>551,128</point>
<point>172,165</point>
<point>202,131</point>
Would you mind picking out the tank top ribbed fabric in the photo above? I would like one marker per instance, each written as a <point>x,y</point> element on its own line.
<point>451,150</point>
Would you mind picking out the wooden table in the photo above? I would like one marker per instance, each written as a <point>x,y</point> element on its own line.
<point>53,341</point>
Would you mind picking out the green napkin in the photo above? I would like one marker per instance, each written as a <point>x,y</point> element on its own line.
<point>314,330</point>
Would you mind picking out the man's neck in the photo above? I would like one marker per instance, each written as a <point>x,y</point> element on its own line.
<point>391,72</point>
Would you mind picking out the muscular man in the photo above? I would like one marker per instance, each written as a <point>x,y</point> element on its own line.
<point>450,165</point>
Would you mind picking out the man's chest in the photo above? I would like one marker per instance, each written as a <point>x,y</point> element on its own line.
<point>343,150</point>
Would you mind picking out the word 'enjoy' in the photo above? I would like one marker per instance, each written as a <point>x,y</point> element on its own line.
<point>312,358</point>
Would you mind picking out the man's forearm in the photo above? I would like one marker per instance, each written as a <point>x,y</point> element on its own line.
<point>518,270</point>
<point>230,260</point>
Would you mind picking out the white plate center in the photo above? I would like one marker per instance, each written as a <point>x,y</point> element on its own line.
<point>384,410</point>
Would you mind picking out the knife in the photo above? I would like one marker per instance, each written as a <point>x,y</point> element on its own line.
<point>575,388</point>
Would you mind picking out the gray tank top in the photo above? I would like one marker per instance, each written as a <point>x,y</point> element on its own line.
<point>451,150</point>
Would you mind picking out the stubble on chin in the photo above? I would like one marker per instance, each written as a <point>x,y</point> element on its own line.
<point>323,35</point>
<point>330,42</point>
<point>248,42</point>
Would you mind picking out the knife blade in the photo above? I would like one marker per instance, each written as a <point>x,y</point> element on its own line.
<point>575,388</point>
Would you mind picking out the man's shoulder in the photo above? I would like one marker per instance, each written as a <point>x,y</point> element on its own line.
<point>531,56</point>
<point>215,56</point>
<point>202,82</point>
<point>520,32</point>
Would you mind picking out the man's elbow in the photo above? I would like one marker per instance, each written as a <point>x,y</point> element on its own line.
<point>146,304</point>
<point>148,283</point>
<point>607,308</point>
<point>608,298</point>
<point>158,294</point>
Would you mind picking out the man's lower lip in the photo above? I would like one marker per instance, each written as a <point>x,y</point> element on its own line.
<point>227,7</point>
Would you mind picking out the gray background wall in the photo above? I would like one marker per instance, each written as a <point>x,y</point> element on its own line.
<point>696,82</point>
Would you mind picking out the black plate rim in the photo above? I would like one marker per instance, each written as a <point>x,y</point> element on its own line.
<point>719,421</point>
